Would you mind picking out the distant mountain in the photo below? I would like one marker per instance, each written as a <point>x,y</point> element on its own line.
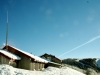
<point>93,63</point>
<point>98,62</point>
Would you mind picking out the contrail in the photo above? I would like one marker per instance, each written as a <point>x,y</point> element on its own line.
<point>93,39</point>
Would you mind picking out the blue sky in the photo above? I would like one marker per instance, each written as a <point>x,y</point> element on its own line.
<point>52,26</point>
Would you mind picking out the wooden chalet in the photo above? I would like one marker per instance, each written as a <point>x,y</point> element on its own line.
<point>53,61</point>
<point>6,56</point>
<point>23,59</point>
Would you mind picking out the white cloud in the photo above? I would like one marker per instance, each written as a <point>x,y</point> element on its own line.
<point>55,26</point>
<point>90,18</point>
<point>42,8</point>
<point>92,11</point>
<point>63,34</point>
<point>98,30</point>
<point>76,22</point>
<point>48,11</point>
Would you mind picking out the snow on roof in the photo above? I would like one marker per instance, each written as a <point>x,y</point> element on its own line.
<point>10,55</point>
<point>31,55</point>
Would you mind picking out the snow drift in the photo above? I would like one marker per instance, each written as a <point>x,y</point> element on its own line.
<point>9,70</point>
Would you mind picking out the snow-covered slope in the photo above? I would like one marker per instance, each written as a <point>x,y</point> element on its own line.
<point>9,70</point>
<point>98,62</point>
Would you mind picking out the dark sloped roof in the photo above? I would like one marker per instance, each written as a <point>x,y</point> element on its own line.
<point>50,56</point>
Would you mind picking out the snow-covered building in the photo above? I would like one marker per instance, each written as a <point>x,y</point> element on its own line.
<point>5,56</point>
<point>53,60</point>
<point>24,60</point>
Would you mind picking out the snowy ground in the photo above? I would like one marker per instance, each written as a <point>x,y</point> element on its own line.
<point>9,70</point>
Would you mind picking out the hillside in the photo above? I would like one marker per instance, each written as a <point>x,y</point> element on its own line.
<point>89,66</point>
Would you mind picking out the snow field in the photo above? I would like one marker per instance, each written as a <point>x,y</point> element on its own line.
<point>9,70</point>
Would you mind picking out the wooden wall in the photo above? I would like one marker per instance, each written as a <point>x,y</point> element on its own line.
<point>32,66</point>
<point>24,63</point>
<point>4,60</point>
<point>36,65</point>
<point>29,64</point>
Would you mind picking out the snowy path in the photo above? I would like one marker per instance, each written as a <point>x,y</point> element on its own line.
<point>8,70</point>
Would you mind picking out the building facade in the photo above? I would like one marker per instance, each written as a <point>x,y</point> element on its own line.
<point>27,61</point>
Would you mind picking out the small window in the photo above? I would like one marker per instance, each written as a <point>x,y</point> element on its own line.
<point>49,58</point>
